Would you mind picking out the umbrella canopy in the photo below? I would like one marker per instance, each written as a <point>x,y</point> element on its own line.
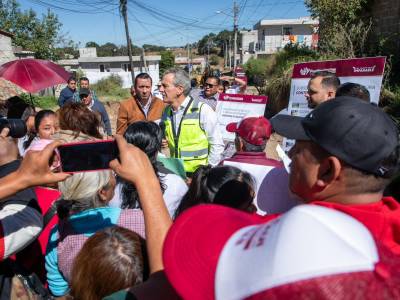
<point>9,89</point>
<point>33,75</point>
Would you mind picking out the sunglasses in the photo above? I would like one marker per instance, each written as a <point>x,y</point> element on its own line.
<point>209,85</point>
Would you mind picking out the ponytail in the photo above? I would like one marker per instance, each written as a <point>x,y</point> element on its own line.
<point>198,191</point>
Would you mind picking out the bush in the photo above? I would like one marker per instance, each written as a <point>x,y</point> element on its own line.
<point>167,61</point>
<point>256,71</point>
<point>44,102</point>
<point>110,87</point>
<point>214,60</point>
<point>390,101</point>
<point>279,71</point>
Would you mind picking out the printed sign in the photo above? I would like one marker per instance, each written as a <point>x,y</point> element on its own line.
<point>365,71</point>
<point>233,107</point>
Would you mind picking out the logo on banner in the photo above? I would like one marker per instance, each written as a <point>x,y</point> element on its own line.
<point>307,71</point>
<point>229,97</point>
<point>364,69</point>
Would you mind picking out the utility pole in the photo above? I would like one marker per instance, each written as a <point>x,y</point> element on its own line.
<point>188,59</point>
<point>229,52</point>
<point>225,54</point>
<point>144,61</point>
<point>123,9</point>
<point>235,30</point>
<point>208,51</point>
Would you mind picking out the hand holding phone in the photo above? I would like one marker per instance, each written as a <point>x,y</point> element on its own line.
<point>87,156</point>
<point>134,165</point>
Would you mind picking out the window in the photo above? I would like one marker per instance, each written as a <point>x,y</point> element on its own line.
<point>101,68</point>
<point>287,30</point>
<point>126,67</point>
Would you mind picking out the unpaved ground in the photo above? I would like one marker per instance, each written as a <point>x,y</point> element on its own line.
<point>112,110</point>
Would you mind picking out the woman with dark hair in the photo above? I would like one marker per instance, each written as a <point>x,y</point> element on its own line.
<point>147,137</point>
<point>44,125</point>
<point>224,185</point>
<point>77,123</point>
<point>28,116</point>
<point>109,261</point>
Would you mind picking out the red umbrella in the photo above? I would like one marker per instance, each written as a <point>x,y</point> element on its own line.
<point>33,75</point>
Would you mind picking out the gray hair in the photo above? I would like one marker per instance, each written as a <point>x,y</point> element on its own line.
<point>83,188</point>
<point>181,78</point>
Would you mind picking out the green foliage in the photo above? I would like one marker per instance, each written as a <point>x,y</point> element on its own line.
<point>79,73</point>
<point>92,45</point>
<point>44,102</point>
<point>390,99</point>
<point>214,42</point>
<point>167,61</point>
<point>110,88</point>
<point>68,49</point>
<point>214,60</point>
<point>110,49</point>
<point>153,48</point>
<point>40,35</point>
<point>342,30</point>
<point>256,71</point>
<point>207,44</point>
<point>277,73</point>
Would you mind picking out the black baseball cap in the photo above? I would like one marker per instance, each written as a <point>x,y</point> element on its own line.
<point>360,134</point>
<point>84,92</point>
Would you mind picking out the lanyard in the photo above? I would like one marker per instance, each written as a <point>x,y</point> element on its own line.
<point>176,135</point>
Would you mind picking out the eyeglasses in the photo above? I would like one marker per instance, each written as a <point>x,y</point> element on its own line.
<point>209,85</point>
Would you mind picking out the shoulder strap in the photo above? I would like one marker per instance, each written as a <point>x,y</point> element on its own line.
<point>165,113</point>
<point>50,213</point>
<point>162,169</point>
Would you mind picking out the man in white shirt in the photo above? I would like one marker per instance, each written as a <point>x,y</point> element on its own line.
<point>191,129</point>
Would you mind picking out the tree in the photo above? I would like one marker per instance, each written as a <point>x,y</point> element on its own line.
<point>207,43</point>
<point>214,60</point>
<point>256,71</point>
<point>153,48</point>
<point>216,42</point>
<point>167,61</point>
<point>222,39</point>
<point>342,30</point>
<point>107,49</point>
<point>67,50</point>
<point>40,35</point>
<point>92,45</point>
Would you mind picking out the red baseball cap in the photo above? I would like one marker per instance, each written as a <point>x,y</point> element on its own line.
<point>254,130</point>
<point>310,252</point>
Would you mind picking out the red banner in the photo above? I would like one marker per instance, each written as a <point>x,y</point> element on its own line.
<point>373,66</point>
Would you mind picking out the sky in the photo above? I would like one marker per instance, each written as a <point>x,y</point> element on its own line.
<point>159,22</point>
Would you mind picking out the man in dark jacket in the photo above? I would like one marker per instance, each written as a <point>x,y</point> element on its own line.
<point>67,94</point>
<point>96,106</point>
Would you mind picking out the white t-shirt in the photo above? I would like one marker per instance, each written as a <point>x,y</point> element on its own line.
<point>175,189</point>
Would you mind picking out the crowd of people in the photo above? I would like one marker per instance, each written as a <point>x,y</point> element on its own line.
<point>239,227</point>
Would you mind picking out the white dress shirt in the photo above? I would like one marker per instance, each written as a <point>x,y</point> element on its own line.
<point>208,122</point>
<point>146,107</point>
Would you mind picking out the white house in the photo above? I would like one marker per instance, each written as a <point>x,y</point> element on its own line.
<point>8,52</point>
<point>198,62</point>
<point>6,49</point>
<point>96,68</point>
<point>269,36</point>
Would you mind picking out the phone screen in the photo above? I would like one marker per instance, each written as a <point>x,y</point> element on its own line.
<point>87,156</point>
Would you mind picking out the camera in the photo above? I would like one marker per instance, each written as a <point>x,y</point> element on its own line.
<point>17,127</point>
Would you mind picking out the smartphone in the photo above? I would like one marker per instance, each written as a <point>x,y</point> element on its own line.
<point>87,156</point>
